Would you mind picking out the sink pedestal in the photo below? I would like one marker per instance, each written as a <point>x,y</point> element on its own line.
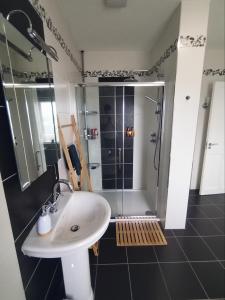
<point>77,278</point>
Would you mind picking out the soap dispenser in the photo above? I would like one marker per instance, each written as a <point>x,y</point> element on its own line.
<point>44,225</point>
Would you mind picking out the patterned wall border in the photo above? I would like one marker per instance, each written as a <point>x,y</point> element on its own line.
<point>30,76</point>
<point>190,41</point>
<point>43,14</point>
<point>183,41</point>
<point>125,73</point>
<point>211,72</point>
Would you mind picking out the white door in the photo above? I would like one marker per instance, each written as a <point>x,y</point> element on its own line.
<point>212,180</point>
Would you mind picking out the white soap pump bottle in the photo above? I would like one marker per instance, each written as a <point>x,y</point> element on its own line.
<point>44,224</point>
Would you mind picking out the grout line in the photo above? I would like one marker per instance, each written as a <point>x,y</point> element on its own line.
<point>192,268</point>
<point>214,224</point>
<point>162,274</point>
<point>112,264</point>
<point>31,219</point>
<point>194,236</point>
<point>205,218</point>
<point>128,267</point>
<point>4,180</point>
<point>159,262</point>
<point>32,275</point>
<point>51,281</point>
<point>218,207</point>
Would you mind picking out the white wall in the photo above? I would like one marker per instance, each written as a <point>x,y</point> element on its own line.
<point>116,60</point>
<point>64,71</point>
<point>214,59</point>
<point>190,60</point>
<point>168,69</point>
<point>11,286</point>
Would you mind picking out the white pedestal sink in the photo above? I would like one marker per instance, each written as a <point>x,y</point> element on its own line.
<point>81,220</point>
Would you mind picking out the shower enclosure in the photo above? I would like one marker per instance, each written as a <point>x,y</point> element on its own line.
<point>120,125</point>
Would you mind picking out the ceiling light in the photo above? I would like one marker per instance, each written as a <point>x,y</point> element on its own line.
<point>115,3</point>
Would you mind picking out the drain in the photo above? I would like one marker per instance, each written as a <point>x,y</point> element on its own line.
<point>74,228</point>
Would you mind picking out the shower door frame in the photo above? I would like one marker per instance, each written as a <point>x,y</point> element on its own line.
<point>129,84</point>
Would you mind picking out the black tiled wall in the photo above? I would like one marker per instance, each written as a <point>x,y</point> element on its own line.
<point>116,114</point>
<point>39,276</point>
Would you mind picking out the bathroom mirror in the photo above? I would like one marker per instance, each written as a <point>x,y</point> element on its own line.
<point>26,76</point>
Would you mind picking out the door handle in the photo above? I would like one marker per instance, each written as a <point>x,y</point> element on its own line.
<point>120,157</point>
<point>212,144</point>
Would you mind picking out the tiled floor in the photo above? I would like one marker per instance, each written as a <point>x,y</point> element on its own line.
<point>190,267</point>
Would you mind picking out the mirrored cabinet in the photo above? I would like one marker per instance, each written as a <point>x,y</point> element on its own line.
<point>26,76</point>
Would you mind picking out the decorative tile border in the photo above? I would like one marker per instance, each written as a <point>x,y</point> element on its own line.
<point>190,41</point>
<point>31,76</point>
<point>183,41</point>
<point>125,73</point>
<point>211,72</point>
<point>43,14</point>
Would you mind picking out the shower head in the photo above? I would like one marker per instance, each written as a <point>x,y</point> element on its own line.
<point>16,11</point>
<point>34,35</point>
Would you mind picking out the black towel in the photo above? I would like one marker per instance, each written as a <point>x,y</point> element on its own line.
<point>74,159</point>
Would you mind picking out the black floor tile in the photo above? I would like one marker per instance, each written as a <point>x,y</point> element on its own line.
<point>216,244</point>
<point>221,208</point>
<point>188,231</point>
<point>171,252</point>
<point>182,282</point>
<point>110,232</point>
<point>222,262</point>
<point>212,211</point>
<point>113,283</point>
<point>147,282</point>
<point>212,277</point>
<point>195,249</point>
<point>199,200</point>
<point>220,224</point>
<point>110,253</point>
<point>195,212</point>
<point>205,227</point>
<point>217,199</point>
<point>168,232</point>
<point>141,254</point>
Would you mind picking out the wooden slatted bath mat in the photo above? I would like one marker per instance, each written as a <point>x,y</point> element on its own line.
<point>139,232</point>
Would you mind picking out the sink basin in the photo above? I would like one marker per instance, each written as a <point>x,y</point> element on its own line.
<point>81,220</point>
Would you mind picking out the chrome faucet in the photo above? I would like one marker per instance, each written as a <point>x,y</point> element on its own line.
<point>53,205</point>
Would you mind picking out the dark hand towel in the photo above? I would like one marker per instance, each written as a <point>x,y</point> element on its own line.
<point>74,159</point>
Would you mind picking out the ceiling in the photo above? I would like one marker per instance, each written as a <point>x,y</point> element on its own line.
<point>135,27</point>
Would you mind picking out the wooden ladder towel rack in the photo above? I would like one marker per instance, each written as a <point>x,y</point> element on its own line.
<point>73,177</point>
